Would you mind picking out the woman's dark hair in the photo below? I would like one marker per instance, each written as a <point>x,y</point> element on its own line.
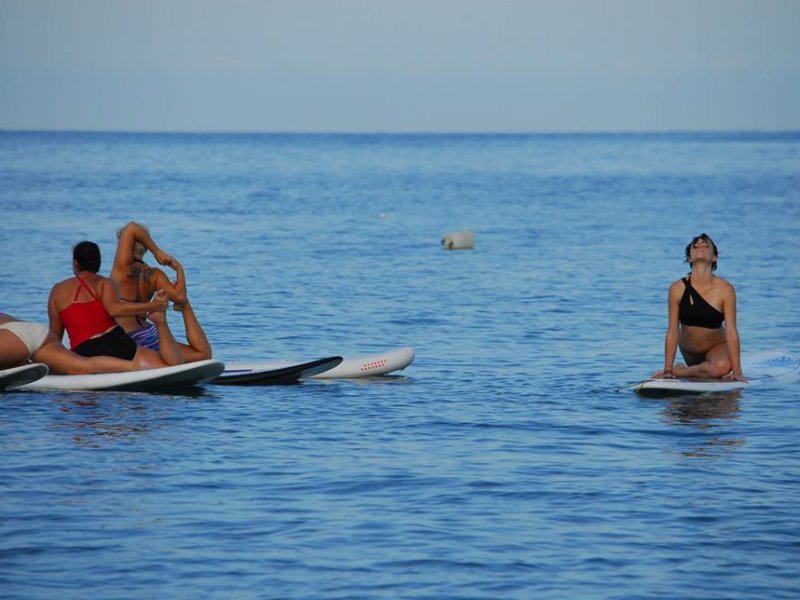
<point>87,255</point>
<point>702,236</point>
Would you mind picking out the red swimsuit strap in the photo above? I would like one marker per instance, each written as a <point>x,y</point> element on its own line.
<point>85,320</point>
<point>82,283</point>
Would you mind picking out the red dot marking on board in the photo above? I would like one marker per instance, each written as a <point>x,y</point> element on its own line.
<point>377,364</point>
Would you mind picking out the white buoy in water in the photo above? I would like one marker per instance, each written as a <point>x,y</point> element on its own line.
<point>459,240</point>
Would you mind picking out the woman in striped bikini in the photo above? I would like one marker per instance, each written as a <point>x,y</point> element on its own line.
<point>138,281</point>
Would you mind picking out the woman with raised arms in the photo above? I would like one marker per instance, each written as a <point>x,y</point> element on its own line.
<point>138,281</point>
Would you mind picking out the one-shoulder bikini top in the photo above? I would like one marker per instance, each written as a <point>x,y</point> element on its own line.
<point>694,310</point>
<point>84,320</point>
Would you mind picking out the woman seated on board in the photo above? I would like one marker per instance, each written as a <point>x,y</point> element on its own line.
<point>698,305</point>
<point>85,306</point>
<point>21,341</point>
<point>138,281</point>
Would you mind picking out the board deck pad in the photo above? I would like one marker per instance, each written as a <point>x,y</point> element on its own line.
<point>18,376</point>
<point>274,373</point>
<point>185,375</point>
<point>760,368</point>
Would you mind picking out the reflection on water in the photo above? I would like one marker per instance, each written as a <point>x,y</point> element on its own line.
<point>706,413</point>
<point>371,380</point>
<point>94,418</point>
<point>701,410</point>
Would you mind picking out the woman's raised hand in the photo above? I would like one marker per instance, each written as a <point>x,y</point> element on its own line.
<point>160,301</point>
<point>164,258</point>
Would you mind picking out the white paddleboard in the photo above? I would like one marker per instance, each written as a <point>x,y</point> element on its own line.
<point>268,372</point>
<point>370,366</point>
<point>147,380</point>
<point>19,376</point>
<point>760,368</point>
<point>273,373</point>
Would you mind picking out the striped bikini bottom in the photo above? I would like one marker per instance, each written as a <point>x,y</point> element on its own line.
<point>146,336</point>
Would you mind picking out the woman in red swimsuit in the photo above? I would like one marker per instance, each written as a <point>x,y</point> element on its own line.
<point>699,304</point>
<point>85,306</point>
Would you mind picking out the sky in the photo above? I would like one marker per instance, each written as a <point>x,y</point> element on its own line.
<point>400,65</point>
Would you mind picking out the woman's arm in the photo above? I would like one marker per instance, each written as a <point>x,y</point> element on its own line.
<point>176,291</point>
<point>672,336</point>
<point>180,281</point>
<point>130,234</point>
<point>56,325</point>
<point>732,334</point>
<point>116,307</point>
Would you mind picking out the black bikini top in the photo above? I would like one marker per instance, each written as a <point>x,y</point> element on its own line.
<point>695,311</point>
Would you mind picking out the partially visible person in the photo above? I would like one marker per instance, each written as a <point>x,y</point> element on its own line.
<point>138,281</point>
<point>702,320</point>
<point>85,307</point>
<point>21,341</point>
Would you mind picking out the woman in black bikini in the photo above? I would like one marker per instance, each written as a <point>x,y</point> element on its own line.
<point>699,304</point>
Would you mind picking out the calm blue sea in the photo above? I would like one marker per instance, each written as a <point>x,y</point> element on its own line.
<point>504,463</point>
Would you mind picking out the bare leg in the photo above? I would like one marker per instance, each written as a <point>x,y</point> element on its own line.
<point>62,361</point>
<point>13,352</point>
<point>198,348</point>
<point>168,349</point>
<point>716,365</point>
<point>147,359</point>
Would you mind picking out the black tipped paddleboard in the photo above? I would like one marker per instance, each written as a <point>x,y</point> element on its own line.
<point>19,376</point>
<point>275,373</point>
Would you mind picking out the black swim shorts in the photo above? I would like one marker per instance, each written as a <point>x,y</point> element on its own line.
<point>115,343</point>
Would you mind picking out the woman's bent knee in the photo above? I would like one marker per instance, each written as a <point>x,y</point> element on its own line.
<point>720,368</point>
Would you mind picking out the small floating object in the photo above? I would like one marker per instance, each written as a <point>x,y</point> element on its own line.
<point>459,240</point>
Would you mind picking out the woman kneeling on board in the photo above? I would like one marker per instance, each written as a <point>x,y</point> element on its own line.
<point>138,281</point>
<point>21,341</point>
<point>698,305</point>
<point>85,306</point>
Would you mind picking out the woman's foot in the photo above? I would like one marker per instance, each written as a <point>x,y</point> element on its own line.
<point>672,373</point>
<point>680,370</point>
<point>158,317</point>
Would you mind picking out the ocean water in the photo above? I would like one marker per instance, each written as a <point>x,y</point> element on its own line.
<point>505,462</point>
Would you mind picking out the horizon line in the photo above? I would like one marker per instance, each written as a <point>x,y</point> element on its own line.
<point>487,132</point>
